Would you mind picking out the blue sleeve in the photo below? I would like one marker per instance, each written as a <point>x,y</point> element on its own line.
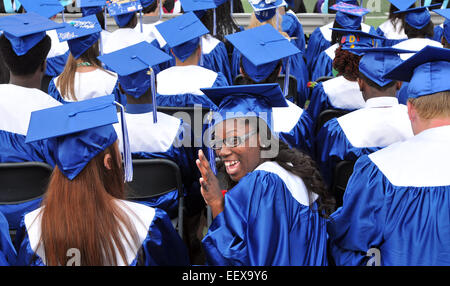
<point>235,64</point>
<point>299,70</point>
<point>263,225</point>
<point>333,146</point>
<point>322,67</point>
<point>438,33</point>
<point>8,254</point>
<point>55,65</point>
<point>163,246</point>
<point>53,91</point>
<point>292,26</point>
<point>358,225</point>
<point>316,45</point>
<point>186,99</point>
<point>118,96</point>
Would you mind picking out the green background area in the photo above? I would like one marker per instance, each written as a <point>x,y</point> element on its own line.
<point>374,18</point>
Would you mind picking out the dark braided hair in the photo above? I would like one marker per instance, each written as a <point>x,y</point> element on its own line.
<point>296,162</point>
<point>346,64</point>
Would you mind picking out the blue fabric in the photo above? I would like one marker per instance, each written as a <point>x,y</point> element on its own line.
<point>184,157</point>
<point>162,246</point>
<point>7,252</point>
<point>438,33</point>
<point>217,60</point>
<point>403,93</point>
<point>301,136</point>
<point>263,225</point>
<point>408,225</point>
<point>316,45</point>
<point>14,212</point>
<point>388,42</point>
<point>322,67</point>
<point>292,26</point>
<point>55,65</point>
<point>333,146</point>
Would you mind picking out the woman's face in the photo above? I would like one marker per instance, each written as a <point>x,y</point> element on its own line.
<point>243,158</point>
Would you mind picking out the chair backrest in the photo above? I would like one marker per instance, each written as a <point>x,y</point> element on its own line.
<point>323,78</point>
<point>24,181</point>
<point>327,115</point>
<point>154,177</point>
<point>292,92</point>
<point>342,173</point>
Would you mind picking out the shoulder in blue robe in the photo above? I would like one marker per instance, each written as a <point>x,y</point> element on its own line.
<point>217,59</point>
<point>7,251</point>
<point>264,222</point>
<point>55,65</point>
<point>316,45</point>
<point>438,33</point>
<point>323,66</point>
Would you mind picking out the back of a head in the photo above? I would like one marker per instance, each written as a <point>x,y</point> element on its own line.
<point>432,106</point>
<point>425,32</point>
<point>28,63</point>
<point>346,64</point>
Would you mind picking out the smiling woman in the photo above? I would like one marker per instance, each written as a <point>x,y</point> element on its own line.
<point>276,199</point>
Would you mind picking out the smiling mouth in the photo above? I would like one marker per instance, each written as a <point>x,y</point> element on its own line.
<point>231,166</point>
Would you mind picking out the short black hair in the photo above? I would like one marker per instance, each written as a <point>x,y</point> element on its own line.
<point>425,32</point>
<point>28,63</point>
<point>373,84</point>
<point>150,8</point>
<point>271,78</point>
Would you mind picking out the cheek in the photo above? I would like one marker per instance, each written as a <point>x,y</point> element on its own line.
<point>251,159</point>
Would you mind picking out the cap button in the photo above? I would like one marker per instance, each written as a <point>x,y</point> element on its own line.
<point>133,57</point>
<point>262,43</point>
<point>26,23</point>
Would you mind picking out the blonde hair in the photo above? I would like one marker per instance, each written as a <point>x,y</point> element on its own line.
<point>254,22</point>
<point>432,106</point>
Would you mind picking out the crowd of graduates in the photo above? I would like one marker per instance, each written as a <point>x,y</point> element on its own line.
<point>262,164</point>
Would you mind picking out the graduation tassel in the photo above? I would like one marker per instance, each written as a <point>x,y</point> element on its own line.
<point>231,7</point>
<point>212,157</point>
<point>276,15</point>
<point>140,20</point>
<point>286,77</point>
<point>63,18</point>
<point>201,49</point>
<point>214,20</point>
<point>444,4</point>
<point>152,86</point>
<point>127,160</point>
<point>160,10</point>
<point>106,27</point>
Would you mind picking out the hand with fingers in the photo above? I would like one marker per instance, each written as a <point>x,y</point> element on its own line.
<point>210,187</point>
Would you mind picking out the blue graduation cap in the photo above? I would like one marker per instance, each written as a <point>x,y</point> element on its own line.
<point>376,62</point>
<point>80,34</point>
<point>265,10</point>
<point>199,8</point>
<point>45,8</point>
<point>123,12</point>
<point>349,16</point>
<point>402,4</point>
<point>24,31</point>
<point>182,34</point>
<point>262,48</point>
<point>446,14</point>
<point>81,130</point>
<point>417,17</point>
<point>246,100</point>
<point>352,39</point>
<point>427,72</point>
<point>132,64</point>
<point>91,7</point>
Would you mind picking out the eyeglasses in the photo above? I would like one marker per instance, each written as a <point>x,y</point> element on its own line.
<point>232,141</point>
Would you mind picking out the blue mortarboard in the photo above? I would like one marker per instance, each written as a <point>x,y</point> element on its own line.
<point>182,34</point>
<point>146,3</point>
<point>417,17</point>
<point>446,14</point>
<point>197,6</point>
<point>427,72</point>
<point>265,10</point>
<point>45,8</point>
<point>80,34</point>
<point>261,48</point>
<point>24,31</point>
<point>357,39</point>
<point>91,7</point>
<point>376,62</point>
<point>81,130</point>
<point>402,4</point>
<point>349,16</point>
<point>132,65</point>
<point>123,12</point>
<point>246,100</point>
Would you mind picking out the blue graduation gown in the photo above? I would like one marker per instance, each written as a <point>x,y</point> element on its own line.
<point>292,26</point>
<point>319,41</point>
<point>323,65</point>
<point>170,138</point>
<point>396,206</point>
<point>160,244</point>
<point>7,251</point>
<point>391,32</point>
<point>57,56</point>
<point>16,105</point>
<point>106,83</point>
<point>294,126</point>
<point>336,93</point>
<point>380,123</point>
<point>438,32</point>
<point>267,221</point>
<point>215,57</point>
<point>180,86</point>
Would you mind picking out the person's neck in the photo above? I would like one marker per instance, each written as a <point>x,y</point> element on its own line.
<point>378,94</point>
<point>431,123</point>
<point>33,81</point>
<point>189,62</point>
<point>144,99</point>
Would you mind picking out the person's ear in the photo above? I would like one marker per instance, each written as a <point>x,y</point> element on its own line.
<point>361,84</point>
<point>399,85</point>
<point>412,113</point>
<point>44,66</point>
<point>107,161</point>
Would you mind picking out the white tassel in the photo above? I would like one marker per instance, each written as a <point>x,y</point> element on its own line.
<point>127,160</point>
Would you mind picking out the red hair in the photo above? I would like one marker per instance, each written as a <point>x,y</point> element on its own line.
<point>346,64</point>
